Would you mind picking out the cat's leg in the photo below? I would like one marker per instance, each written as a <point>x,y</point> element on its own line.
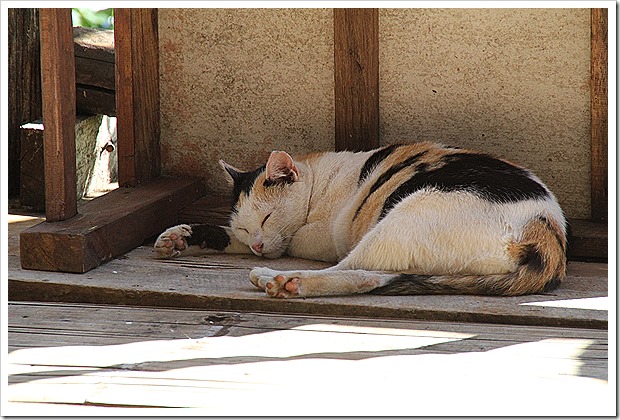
<point>328,282</point>
<point>186,240</point>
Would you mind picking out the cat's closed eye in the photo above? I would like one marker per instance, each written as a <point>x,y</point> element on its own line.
<point>244,229</point>
<point>264,220</point>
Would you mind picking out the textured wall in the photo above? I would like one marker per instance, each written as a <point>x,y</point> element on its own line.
<point>238,83</point>
<point>514,82</point>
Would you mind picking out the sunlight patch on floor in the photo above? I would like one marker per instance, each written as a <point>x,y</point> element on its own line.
<point>595,303</point>
<point>544,371</point>
<point>18,218</point>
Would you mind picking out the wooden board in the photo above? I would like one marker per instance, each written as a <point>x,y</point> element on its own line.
<point>58,89</point>
<point>32,173</point>
<point>116,356</point>
<point>107,226</point>
<point>598,113</point>
<point>589,240</point>
<point>221,282</point>
<point>137,95</point>
<point>356,78</point>
<point>94,70</point>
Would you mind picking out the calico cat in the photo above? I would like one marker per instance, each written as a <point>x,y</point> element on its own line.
<point>418,218</point>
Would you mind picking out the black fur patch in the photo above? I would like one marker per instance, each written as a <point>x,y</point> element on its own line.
<point>278,181</point>
<point>413,284</point>
<point>374,160</point>
<point>209,236</point>
<point>533,259</point>
<point>489,178</point>
<point>243,182</point>
<point>385,177</point>
<point>551,285</point>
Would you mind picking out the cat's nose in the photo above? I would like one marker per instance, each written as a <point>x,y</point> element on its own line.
<point>258,247</point>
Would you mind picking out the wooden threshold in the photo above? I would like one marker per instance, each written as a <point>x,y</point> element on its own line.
<point>107,227</point>
<point>588,240</point>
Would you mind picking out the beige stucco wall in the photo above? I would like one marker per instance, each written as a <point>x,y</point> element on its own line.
<point>514,82</point>
<point>238,83</point>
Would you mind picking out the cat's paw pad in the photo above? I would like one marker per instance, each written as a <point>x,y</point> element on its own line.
<point>172,241</point>
<point>274,283</point>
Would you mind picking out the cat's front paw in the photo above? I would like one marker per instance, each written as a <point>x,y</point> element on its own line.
<point>276,284</point>
<point>173,241</point>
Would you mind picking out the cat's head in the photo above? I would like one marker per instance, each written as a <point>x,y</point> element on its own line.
<point>270,204</point>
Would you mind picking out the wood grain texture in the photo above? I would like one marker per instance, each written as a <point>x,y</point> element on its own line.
<point>356,77</point>
<point>32,173</point>
<point>588,240</point>
<point>137,95</point>
<point>220,282</point>
<point>598,113</point>
<point>24,87</point>
<point>58,87</point>
<point>95,71</point>
<point>154,357</point>
<point>107,226</point>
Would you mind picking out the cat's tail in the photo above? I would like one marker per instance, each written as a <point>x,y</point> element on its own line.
<point>541,257</point>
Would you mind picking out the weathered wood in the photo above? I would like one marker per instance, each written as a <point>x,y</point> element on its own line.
<point>588,240</point>
<point>94,57</point>
<point>598,113</point>
<point>24,87</point>
<point>96,44</point>
<point>94,70</point>
<point>220,282</point>
<point>32,174</point>
<point>356,78</point>
<point>208,209</point>
<point>107,226</point>
<point>93,101</point>
<point>228,356</point>
<point>58,87</point>
<point>137,95</point>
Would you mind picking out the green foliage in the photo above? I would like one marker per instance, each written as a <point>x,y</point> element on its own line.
<point>93,18</point>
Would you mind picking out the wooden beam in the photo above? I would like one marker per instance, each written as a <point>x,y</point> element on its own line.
<point>588,241</point>
<point>24,88</point>
<point>137,95</point>
<point>94,71</point>
<point>598,113</point>
<point>107,226</point>
<point>356,78</point>
<point>58,89</point>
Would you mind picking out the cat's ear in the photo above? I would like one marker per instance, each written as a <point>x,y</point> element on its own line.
<point>281,168</point>
<point>235,174</point>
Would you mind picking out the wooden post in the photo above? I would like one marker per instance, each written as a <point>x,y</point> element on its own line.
<point>598,113</point>
<point>137,95</point>
<point>122,219</point>
<point>356,78</point>
<point>24,89</point>
<point>58,90</point>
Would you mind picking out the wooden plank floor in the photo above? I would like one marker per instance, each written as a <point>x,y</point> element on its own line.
<point>221,282</point>
<point>104,360</point>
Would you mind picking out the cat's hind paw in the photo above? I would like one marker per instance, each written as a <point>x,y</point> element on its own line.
<point>172,241</point>
<point>276,284</point>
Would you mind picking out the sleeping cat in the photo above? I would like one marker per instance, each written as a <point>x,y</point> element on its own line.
<point>419,218</point>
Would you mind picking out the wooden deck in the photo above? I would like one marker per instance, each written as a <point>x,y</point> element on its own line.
<point>229,363</point>
<point>139,334</point>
